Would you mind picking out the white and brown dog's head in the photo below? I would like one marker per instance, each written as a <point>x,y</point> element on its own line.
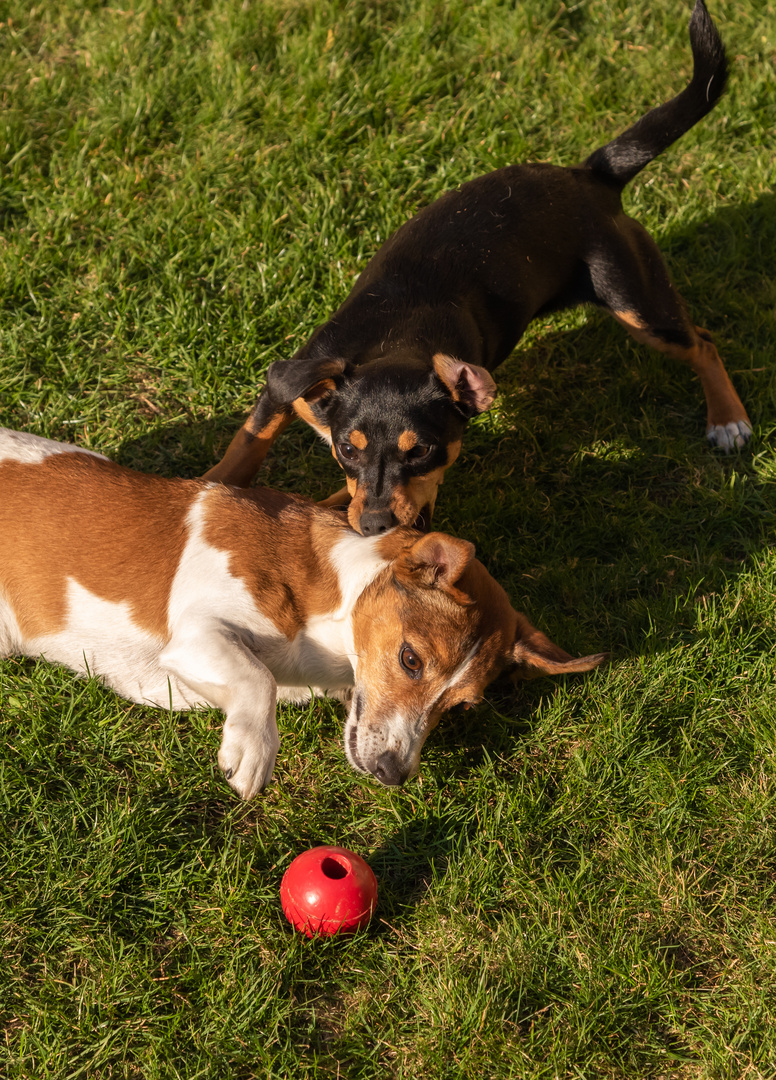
<point>431,632</point>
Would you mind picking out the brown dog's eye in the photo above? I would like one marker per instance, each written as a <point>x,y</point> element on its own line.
<point>417,453</point>
<point>410,661</point>
<point>346,450</point>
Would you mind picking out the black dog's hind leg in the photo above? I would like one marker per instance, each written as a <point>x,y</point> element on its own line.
<point>631,281</point>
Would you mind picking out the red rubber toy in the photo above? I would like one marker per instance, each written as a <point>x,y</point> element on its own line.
<point>328,890</point>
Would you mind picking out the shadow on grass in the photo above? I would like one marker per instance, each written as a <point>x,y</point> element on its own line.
<point>407,861</point>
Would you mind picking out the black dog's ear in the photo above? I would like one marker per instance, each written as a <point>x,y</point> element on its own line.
<point>288,380</point>
<point>471,386</point>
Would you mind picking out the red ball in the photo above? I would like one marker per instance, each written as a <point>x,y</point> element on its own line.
<point>328,890</point>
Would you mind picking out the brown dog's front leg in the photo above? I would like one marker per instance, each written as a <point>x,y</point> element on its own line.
<point>249,447</point>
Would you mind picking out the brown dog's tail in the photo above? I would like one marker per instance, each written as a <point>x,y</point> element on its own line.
<point>621,159</point>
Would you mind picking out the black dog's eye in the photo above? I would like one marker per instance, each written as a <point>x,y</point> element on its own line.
<point>410,661</point>
<point>417,453</point>
<point>346,450</point>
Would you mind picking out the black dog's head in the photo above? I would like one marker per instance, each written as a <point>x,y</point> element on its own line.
<point>394,425</point>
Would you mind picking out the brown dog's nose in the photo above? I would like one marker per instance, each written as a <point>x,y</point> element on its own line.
<point>376,521</point>
<point>389,770</point>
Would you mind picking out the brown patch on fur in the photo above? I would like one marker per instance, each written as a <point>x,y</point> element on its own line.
<point>247,450</point>
<point>535,655</point>
<point>419,598</point>
<point>304,412</point>
<point>436,561</point>
<point>723,404</point>
<point>118,533</point>
<point>630,320</point>
<point>444,605</point>
<point>279,546</point>
<point>359,440</point>
<point>456,619</point>
<point>357,500</point>
<point>508,637</point>
<point>392,543</point>
<point>439,631</point>
<point>453,450</point>
<point>407,440</point>
<point>445,367</point>
<point>421,491</point>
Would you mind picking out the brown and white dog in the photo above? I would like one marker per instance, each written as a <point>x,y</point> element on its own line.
<point>179,593</point>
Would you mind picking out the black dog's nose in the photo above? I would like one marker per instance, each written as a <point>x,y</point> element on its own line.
<point>389,771</point>
<point>376,521</point>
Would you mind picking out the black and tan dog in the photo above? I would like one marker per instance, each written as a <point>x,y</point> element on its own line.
<point>392,378</point>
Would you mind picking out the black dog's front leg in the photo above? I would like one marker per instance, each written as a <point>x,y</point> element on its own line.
<point>249,447</point>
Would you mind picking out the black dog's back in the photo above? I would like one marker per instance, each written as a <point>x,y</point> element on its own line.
<point>467,274</point>
<point>521,241</point>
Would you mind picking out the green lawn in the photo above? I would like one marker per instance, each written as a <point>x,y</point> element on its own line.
<point>581,883</point>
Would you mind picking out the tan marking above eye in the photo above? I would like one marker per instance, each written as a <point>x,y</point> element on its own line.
<point>407,440</point>
<point>358,439</point>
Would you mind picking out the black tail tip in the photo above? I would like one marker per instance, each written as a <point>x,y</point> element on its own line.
<point>703,32</point>
<point>708,52</point>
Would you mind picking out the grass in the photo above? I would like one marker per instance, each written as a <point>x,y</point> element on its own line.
<point>582,881</point>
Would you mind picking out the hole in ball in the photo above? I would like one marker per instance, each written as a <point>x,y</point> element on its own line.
<point>335,868</point>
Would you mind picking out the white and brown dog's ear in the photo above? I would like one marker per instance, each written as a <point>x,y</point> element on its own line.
<point>535,655</point>
<point>471,387</point>
<point>289,380</point>
<point>437,561</point>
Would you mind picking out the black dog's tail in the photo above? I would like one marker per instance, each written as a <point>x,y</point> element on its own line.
<point>626,155</point>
